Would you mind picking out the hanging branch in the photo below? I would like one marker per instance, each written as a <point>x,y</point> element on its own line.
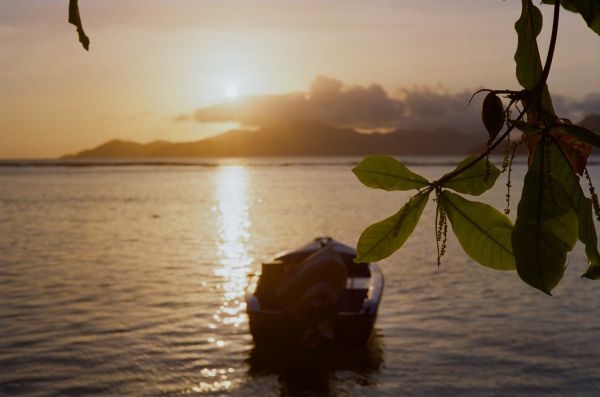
<point>75,19</point>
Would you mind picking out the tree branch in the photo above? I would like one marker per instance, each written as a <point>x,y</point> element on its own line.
<point>536,92</point>
<point>540,85</point>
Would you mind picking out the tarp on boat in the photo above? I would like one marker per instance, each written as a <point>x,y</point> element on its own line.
<point>311,288</point>
<point>347,252</point>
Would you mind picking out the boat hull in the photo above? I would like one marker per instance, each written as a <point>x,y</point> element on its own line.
<point>352,325</point>
<point>283,328</point>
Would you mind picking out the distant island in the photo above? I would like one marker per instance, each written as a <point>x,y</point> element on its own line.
<point>304,139</point>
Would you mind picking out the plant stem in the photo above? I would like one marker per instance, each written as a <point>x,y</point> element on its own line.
<point>482,155</point>
<point>540,85</point>
<point>536,92</point>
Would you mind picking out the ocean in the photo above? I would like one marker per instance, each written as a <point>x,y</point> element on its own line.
<point>128,278</point>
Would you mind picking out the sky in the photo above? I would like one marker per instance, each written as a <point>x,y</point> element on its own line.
<point>169,69</point>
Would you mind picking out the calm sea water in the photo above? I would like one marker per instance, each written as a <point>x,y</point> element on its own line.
<point>129,280</point>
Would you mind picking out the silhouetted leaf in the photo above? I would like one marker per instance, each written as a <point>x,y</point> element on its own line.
<point>593,273</point>
<point>474,180</point>
<point>492,115</point>
<point>588,9</point>
<point>547,226</point>
<point>75,19</point>
<point>385,172</point>
<point>564,175</point>
<point>575,150</point>
<point>483,232</point>
<point>587,235</point>
<point>581,133</point>
<point>527,56</point>
<point>383,238</point>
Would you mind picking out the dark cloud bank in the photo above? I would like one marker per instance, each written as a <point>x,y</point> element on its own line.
<point>325,121</point>
<point>371,108</point>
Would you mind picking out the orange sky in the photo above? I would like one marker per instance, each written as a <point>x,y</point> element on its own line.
<point>151,61</point>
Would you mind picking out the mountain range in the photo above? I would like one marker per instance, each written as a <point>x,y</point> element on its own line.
<point>304,139</point>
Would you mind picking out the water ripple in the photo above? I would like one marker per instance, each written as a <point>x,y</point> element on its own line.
<point>130,281</point>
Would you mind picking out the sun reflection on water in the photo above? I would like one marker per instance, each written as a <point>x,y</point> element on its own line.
<point>233,224</point>
<point>233,228</point>
<point>216,380</point>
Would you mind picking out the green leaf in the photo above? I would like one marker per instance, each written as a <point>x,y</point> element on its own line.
<point>581,133</point>
<point>483,232</point>
<point>527,56</point>
<point>587,235</point>
<point>75,19</point>
<point>588,9</point>
<point>474,180</point>
<point>564,175</point>
<point>562,172</point>
<point>593,273</point>
<point>383,238</point>
<point>385,172</point>
<point>547,226</point>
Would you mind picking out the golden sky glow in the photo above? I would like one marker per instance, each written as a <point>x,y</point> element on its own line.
<point>151,61</point>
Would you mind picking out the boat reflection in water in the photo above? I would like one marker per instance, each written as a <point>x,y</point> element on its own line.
<point>299,370</point>
<point>279,334</point>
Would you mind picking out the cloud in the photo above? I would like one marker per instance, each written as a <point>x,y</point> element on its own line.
<point>429,108</point>
<point>577,109</point>
<point>327,102</point>
<point>369,107</point>
<point>182,117</point>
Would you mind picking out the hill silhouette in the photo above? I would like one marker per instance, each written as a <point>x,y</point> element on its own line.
<point>298,139</point>
<point>591,121</point>
<point>304,139</point>
<point>117,148</point>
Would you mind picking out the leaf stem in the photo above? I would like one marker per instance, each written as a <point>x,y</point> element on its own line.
<point>536,92</point>
<point>540,85</point>
<point>482,155</point>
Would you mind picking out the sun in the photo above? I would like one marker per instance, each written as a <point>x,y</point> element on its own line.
<point>231,91</point>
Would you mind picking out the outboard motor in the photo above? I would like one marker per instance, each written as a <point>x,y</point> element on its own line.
<point>310,293</point>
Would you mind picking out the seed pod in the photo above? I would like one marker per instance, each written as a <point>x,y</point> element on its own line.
<point>492,115</point>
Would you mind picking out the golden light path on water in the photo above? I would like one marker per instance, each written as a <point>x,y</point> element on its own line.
<point>231,195</point>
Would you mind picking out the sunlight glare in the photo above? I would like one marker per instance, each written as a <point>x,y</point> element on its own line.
<point>232,91</point>
<point>233,229</point>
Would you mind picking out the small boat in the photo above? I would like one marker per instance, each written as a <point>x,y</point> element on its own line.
<point>314,295</point>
